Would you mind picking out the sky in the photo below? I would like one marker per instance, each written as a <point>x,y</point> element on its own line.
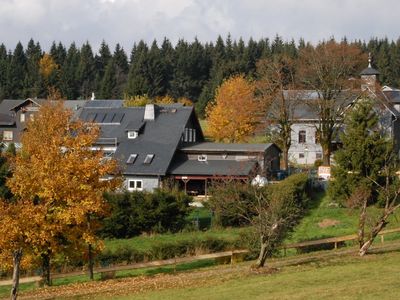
<point>129,21</point>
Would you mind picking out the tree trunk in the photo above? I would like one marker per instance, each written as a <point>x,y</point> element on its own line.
<point>46,279</point>
<point>374,232</point>
<point>17,256</point>
<point>326,155</point>
<point>90,263</point>
<point>262,257</point>
<point>361,223</point>
<point>285,159</point>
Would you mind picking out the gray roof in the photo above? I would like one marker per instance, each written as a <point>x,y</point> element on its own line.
<point>105,103</point>
<point>160,137</point>
<point>212,167</point>
<point>220,147</point>
<point>393,96</point>
<point>6,120</point>
<point>306,110</point>
<point>369,71</point>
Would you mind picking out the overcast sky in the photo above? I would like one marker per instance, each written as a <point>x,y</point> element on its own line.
<point>127,21</point>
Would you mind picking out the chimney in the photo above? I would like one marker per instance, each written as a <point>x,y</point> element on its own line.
<point>93,96</point>
<point>149,112</point>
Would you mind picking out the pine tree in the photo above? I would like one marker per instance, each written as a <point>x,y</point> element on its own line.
<point>32,81</point>
<point>138,83</point>
<point>362,156</point>
<point>121,70</point>
<point>4,65</point>
<point>69,82</point>
<point>86,71</point>
<point>16,73</point>
<point>109,84</point>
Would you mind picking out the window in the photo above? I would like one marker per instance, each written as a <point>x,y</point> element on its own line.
<point>302,136</point>
<point>135,185</point>
<point>31,117</point>
<point>148,159</point>
<point>22,117</point>
<point>318,155</point>
<point>108,154</point>
<point>7,135</point>
<point>301,155</point>
<point>131,158</point>
<point>132,134</point>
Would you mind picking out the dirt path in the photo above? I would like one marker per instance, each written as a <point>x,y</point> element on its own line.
<point>204,277</point>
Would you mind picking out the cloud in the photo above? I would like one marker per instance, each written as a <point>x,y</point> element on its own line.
<point>128,21</point>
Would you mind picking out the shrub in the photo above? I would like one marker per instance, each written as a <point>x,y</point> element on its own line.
<point>135,212</point>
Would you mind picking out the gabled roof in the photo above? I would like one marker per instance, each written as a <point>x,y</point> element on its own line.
<point>160,137</point>
<point>220,147</point>
<point>213,167</point>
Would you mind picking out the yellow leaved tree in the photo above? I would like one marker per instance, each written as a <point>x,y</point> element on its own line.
<point>234,113</point>
<point>60,179</point>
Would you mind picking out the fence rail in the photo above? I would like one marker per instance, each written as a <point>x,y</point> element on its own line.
<point>334,240</point>
<point>232,255</point>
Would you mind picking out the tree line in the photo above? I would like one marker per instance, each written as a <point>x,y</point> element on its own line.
<point>190,70</point>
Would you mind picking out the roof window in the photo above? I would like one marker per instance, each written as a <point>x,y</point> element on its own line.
<point>148,159</point>
<point>131,158</point>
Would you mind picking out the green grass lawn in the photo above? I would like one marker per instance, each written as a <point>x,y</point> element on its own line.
<point>372,277</point>
<point>312,227</point>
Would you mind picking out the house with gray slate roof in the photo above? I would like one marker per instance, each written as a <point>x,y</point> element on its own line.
<point>305,148</point>
<point>155,143</point>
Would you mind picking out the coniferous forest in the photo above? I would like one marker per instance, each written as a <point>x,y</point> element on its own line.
<point>188,69</point>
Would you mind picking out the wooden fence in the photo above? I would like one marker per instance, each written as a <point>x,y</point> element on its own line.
<point>230,256</point>
<point>334,240</point>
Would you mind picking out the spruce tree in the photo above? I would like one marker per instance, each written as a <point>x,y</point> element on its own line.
<point>86,71</point>
<point>120,61</point>
<point>361,158</point>
<point>138,82</point>
<point>16,73</point>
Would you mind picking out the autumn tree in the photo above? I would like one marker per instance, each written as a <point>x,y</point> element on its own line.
<point>276,89</point>
<point>326,70</point>
<point>58,174</point>
<point>234,113</point>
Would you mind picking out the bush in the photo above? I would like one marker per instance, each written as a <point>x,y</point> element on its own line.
<point>223,202</point>
<point>226,196</point>
<point>163,250</point>
<point>133,213</point>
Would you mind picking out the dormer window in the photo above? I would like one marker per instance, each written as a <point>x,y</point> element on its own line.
<point>131,158</point>
<point>202,157</point>
<point>132,134</point>
<point>22,117</point>
<point>148,159</point>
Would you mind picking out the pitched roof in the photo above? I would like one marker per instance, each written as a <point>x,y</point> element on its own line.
<point>6,120</point>
<point>220,147</point>
<point>160,137</point>
<point>212,167</point>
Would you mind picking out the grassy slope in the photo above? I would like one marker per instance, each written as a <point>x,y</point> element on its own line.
<point>372,277</point>
<point>309,229</point>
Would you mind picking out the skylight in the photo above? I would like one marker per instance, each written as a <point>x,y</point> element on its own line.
<point>148,159</point>
<point>131,158</point>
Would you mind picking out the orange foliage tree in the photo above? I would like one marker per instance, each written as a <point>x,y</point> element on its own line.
<point>234,113</point>
<point>58,176</point>
<point>47,66</point>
